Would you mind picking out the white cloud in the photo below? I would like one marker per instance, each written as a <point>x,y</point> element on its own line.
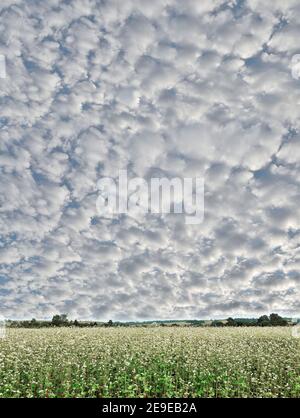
<point>180,88</point>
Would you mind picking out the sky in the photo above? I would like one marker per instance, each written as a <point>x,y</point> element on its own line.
<point>165,88</point>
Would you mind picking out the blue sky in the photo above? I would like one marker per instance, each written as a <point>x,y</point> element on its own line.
<point>182,88</point>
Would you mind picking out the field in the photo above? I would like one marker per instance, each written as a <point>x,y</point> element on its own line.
<point>150,362</point>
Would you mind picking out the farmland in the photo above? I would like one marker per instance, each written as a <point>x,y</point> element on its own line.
<point>150,362</point>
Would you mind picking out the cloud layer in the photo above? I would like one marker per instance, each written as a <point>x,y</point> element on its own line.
<point>179,88</point>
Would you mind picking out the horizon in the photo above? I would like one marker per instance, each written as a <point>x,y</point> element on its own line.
<point>154,320</point>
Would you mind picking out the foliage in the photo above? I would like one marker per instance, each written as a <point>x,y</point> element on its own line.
<point>62,320</point>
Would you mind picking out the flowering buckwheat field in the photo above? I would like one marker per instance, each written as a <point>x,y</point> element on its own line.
<point>150,362</point>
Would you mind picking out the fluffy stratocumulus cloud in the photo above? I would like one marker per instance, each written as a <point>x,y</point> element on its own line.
<point>165,87</point>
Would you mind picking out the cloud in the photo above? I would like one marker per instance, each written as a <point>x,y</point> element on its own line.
<point>165,88</point>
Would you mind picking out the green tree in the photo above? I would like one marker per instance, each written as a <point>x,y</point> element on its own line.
<point>277,320</point>
<point>231,322</point>
<point>60,320</point>
<point>217,324</point>
<point>263,321</point>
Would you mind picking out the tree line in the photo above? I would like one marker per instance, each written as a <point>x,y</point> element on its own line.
<point>61,320</point>
<point>274,320</point>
